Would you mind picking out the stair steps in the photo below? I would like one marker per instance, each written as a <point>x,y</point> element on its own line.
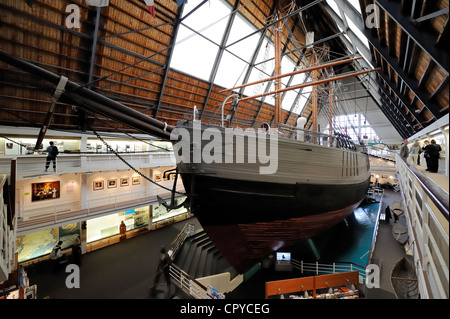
<point>199,257</point>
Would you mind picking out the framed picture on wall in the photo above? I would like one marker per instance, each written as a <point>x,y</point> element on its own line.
<point>158,177</point>
<point>135,180</point>
<point>98,185</point>
<point>46,190</point>
<point>112,183</point>
<point>124,181</point>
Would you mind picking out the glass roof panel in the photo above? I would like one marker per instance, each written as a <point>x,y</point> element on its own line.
<point>195,52</point>
<point>231,71</point>
<point>210,19</point>
<point>242,29</point>
<point>189,58</point>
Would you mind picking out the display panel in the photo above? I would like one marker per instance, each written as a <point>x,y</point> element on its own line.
<point>46,190</point>
<point>283,256</point>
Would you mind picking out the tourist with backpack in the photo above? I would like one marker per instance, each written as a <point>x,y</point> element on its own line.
<point>56,256</point>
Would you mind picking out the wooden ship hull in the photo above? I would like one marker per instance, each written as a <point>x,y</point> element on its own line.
<point>249,215</point>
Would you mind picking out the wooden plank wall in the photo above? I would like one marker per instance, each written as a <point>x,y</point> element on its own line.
<point>39,34</point>
<point>430,77</point>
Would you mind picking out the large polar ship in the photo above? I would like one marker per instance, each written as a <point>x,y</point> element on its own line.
<point>253,194</point>
<point>248,213</point>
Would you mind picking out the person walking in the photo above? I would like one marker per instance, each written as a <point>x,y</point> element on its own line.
<point>52,153</point>
<point>163,268</point>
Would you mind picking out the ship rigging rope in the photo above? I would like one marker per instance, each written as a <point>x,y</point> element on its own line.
<point>21,145</point>
<point>133,168</point>
<point>133,137</point>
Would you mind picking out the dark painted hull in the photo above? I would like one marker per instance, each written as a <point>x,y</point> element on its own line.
<point>249,213</point>
<point>248,221</point>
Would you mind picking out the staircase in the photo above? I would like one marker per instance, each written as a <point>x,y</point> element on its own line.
<point>199,257</point>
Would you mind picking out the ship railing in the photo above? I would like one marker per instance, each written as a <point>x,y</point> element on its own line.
<point>336,140</point>
<point>325,269</point>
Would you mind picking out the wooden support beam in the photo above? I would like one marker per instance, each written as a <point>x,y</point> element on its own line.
<point>330,93</point>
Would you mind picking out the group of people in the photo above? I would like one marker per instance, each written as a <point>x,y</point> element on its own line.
<point>431,153</point>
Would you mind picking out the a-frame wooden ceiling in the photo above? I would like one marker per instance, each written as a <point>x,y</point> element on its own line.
<point>133,68</point>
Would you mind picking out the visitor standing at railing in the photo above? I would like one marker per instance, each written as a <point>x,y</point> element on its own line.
<point>433,150</point>
<point>426,155</point>
<point>404,150</point>
<point>414,152</point>
<point>52,152</point>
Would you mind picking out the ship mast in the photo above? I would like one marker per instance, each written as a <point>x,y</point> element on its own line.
<point>314,94</point>
<point>277,41</point>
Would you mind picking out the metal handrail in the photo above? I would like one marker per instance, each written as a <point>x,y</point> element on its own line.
<point>185,281</point>
<point>187,230</point>
<point>440,200</point>
<point>333,268</point>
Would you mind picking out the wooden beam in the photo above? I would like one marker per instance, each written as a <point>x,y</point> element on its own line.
<point>330,93</point>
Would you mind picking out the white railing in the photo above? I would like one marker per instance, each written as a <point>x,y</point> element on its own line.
<point>181,278</point>
<point>324,269</point>
<point>70,212</point>
<point>7,235</point>
<point>427,216</point>
<point>187,284</point>
<point>111,201</point>
<point>29,165</point>
<point>187,231</point>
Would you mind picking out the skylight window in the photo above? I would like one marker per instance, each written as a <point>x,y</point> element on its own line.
<point>197,47</point>
<point>234,64</point>
<point>195,53</point>
<point>356,126</point>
